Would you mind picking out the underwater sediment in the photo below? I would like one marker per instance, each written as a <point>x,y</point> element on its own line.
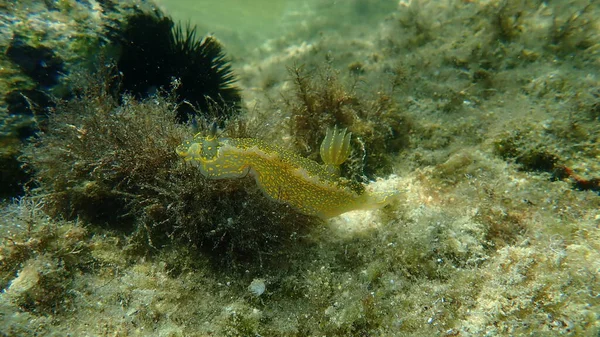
<point>482,116</point>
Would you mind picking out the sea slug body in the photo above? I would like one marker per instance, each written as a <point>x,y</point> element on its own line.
<point>284,176</point>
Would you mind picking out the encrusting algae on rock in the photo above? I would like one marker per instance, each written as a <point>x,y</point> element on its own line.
<point>284,176</point>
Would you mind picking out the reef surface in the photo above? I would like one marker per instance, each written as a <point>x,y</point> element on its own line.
<point>483,115</point>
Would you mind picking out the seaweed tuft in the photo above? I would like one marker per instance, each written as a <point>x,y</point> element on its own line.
<point>318,98</point>
<point>113,165</point>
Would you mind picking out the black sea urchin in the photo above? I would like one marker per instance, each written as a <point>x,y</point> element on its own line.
<point>155,51</point>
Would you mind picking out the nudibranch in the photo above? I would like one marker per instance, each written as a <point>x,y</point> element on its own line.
<point>284,176</point>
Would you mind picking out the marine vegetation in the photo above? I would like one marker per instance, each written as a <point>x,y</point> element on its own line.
<point>124,237</point>
<point>284,176</point>
<point>319,96</point>
<point>112,164</point>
